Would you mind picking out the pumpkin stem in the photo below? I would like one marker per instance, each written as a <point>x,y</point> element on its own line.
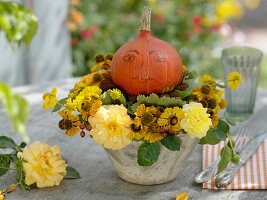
<point>145,19</point>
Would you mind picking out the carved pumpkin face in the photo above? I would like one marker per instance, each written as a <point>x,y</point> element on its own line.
<point>146,65</point>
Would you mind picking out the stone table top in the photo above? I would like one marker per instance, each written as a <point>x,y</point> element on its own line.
<point>99,180</point>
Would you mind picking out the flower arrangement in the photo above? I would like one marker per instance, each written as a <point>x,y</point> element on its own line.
<point>143,93</point>
<point>114,119</point>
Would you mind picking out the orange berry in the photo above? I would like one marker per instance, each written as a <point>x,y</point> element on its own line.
<point>82,133</point>
<point>89,127</point>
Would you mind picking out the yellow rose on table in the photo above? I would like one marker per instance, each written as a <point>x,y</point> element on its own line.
<point>196,121</point>
<point>111,126</point>
<point>44,165</point>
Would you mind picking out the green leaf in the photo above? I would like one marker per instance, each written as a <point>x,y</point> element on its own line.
<point>106,99</point>
<point>148,153</point>
<point>191,75</point>
<point>59,104</point>
<point>172,142</point>
<point>221,130</point>
<point>122,100</point>
<point>231,119</point>
<point>167,102</point>
<point>184,93</point>
<point>239,118</point>
<point>23,144</point>
<point>220,85</point>
<point>72,173</point>
<point>235,158</point>
<point>154,100</point>
<point>231,122</point>
<point>5,160</point>
<point>6,142</point>
<point>150,100</point>
<point>226,156</point>
<point>209,139</point>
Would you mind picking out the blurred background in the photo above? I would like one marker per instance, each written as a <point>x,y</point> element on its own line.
<point>71,32</point>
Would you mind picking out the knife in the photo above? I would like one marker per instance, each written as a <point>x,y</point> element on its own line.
<point>226,176</point>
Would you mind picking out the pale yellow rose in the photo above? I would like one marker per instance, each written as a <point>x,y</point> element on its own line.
<point>196,121</point>
<point>44,165</point>
<point>111,126</point>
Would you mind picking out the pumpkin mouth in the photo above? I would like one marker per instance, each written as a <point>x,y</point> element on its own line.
<point>142,78</point>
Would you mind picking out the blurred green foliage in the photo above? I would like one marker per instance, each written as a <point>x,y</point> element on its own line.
<point>17,109</point>
<point>107,25</point>
<point>18,23</point>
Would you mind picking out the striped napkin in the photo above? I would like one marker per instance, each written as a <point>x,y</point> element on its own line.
<point>251,176</point>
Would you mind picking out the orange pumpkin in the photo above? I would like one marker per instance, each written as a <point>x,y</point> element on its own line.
<point>146,64</point>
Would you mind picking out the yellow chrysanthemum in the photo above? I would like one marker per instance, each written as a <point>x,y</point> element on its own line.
<point>138,129</point>
<point>182,196</point>
<point>223,104</point>
<point>94,78</point>
<point>146,118</point>
<point>70,122</point>
<point>153,137</point>
<point>44,165</point>
<point>214,120</point>
<point>89,108</point>
<point>89,91</point>
<point>111,126</point>
<point>70,105</point>
<point>171,118</point>
<point>197,92</point>
<point>207,79</point>
<point>196,121</point>
<point>234,79</point>
<point>2,195</point>
<point>50,99</point>
<point>146,114</point>
<point>184,68</point>
<point>115,94</point>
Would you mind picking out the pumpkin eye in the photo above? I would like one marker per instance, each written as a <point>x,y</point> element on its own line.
<point>129,57</point>
<point>159,58</point>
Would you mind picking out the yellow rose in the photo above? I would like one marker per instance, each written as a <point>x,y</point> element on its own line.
<point>111,126</point>
<point>196,121</point>
<point>44,165</point>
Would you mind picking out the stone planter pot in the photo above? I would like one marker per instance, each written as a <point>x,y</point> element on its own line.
<point>164,170</point>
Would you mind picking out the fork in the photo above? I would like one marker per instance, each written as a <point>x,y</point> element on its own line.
<point>240,140</point>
